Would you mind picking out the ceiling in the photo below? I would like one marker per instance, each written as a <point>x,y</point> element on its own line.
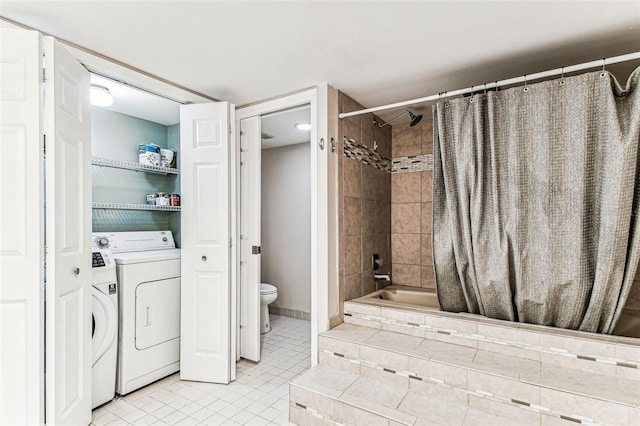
<point>281,125</point>
<point>377,52</point>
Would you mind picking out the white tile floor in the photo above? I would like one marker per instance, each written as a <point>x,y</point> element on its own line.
<point>259,396</point>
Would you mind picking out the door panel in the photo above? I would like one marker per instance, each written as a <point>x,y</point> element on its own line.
<point>157,312</point>
<point>21,229</point>
<point>68,238</point>
<point>205,350</point>
<point>250,216</point>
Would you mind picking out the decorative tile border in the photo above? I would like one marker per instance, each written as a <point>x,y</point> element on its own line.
<point>354,150</point>
<point>478,337</point>
<point>475,392</point>
<point>414,163</point>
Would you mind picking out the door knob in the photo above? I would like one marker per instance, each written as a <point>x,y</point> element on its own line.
<point>76,271</point>
<point>204,258</point>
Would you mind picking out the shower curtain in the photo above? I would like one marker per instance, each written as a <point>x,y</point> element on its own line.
<point>535,201</point>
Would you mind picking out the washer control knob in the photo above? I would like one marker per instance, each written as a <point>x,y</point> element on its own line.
<point>165,239</point>
<point>103,242</point>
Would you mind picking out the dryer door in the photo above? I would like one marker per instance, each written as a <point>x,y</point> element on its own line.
<point>105,323</point>
<point>157,312</point>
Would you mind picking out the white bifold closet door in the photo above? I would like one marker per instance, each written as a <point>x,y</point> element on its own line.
<point>205,326</point>
<point>250,237</point>
<point>55,192</point>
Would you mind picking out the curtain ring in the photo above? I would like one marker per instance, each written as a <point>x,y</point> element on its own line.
<point>562,76</point>
<point>471,100</point>
<point>602,74</point>
<point>526,89</point>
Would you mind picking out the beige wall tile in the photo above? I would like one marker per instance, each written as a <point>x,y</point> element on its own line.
<point>353,254</point>
<point>352,216</point>
<point>383,137</point>
<point>405,218</point>
<point>406,274</point>
<point>405,188</point>
<point>383,217</point>
<point>427,185</point>
<point>406,248</point>
<point>426,253</point>
<point>510,412</point>
<point>353,285</point>
<point>366,122</point>
<point>425,218</point>
<point>369,218</point>
<point>369,182</point>
<point>598,410</point>
<point>427,277</point>
<point>368,283</point>
<point>406,140</point>
<point>352,178</point>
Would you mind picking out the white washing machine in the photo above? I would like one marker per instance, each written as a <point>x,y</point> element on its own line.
<point>148,271</point>
<point>105,328</point>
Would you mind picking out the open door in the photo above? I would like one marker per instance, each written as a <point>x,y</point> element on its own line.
<point>21,230</point>
<point>250,209</point>
<point>205,327</point>
<point>68,237</point>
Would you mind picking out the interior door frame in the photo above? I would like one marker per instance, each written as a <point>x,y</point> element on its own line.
<point>315,98</point>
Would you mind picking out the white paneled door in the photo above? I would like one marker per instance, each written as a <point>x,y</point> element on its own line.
<point>205,327</point>
<point>39,262</point>
<point>68,238</point>
<point>250,237</point>
<point>21,230</point>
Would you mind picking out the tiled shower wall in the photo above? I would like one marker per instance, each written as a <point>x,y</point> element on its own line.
<point>411,196</point>
<point>364,194</point>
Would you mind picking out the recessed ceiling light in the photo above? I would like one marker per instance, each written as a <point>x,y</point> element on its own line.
<point>303,126</point>
<point>100,96</point>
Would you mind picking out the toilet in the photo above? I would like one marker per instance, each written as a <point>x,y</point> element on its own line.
<point>268,294</point>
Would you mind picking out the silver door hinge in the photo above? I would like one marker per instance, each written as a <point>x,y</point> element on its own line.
<point>255,249</point>
<point>44,75</point>
<point>44,144</point>
<point>230,243</point>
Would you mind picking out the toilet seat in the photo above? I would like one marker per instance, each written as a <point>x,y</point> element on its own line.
<point>267,289</point>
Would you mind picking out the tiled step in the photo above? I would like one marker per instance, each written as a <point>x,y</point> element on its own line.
<point>611,355</point>
<point>328,396</point>
<point>500,384</point>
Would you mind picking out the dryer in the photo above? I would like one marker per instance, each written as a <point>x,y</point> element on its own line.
<point>104,327</point>
<point>148,273</point>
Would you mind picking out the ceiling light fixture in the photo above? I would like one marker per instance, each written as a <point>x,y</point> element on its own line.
<point>100,96</point>
<point>303,126</point>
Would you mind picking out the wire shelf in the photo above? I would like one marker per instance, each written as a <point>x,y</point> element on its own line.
<point>130,206</point>
<point>128,165</point>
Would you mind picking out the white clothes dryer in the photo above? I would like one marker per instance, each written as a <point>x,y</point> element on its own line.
<point>148,272</point>
<point>104,328</point>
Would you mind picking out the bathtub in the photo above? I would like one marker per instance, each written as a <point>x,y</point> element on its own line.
<point>419,298</point>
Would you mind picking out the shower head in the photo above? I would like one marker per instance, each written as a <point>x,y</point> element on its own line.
<point>415,119</point>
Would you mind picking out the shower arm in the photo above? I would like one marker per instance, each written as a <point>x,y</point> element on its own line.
<point>390,121</point>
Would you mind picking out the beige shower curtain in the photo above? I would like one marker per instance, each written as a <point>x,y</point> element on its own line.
<point>536,201</point>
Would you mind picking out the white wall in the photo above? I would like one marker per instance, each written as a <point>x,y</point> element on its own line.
<point>286,224</point>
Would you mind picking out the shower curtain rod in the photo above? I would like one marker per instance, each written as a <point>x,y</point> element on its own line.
<point>525,78</point>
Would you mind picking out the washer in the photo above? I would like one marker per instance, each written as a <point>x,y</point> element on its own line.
<point>148,272</point>
<point>105,327</point>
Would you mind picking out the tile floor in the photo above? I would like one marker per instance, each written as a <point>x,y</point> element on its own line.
<point>259,396</point>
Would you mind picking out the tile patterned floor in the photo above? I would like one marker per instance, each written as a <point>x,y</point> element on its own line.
<point>259,396</point>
